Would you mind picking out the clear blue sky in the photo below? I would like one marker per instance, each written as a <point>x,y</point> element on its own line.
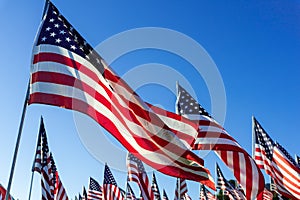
<point>255,45</point>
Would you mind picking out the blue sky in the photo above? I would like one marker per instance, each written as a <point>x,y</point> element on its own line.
<point>255,46</point>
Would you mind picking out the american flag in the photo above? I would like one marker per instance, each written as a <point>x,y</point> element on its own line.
<point>94,191</point>
<point>129,192</point>
<point>67,72</point>
<point>213,136</point>
<point>84,194</point>
<point>297,159</point>
<point>60,191</point>
<point>180,189</point>
<point>165,196</point>
<point>267,195</point>
<point>263,147</point>
<point>155,188</point>
<point>110,189</point>
<point>137,173</point>
<point>286,173</point>
<point>205,194</point>
<point>277,162</point>
<point>3,193</point>
<point>226,186</point>
<point>37,164</point>
<point>47,169</point>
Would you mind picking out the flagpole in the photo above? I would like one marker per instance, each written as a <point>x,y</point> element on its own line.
<point>253,138</point>
<point>30,189</point>
<point>17,144</point>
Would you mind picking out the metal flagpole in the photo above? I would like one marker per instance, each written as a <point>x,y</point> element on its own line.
<point>253,138</point>
<point>17,144</point>
<point>30,189</point>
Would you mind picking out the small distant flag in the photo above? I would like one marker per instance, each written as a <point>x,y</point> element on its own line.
<point>165,196</point>
<point>137,173</point>
<point>129,192</point>
<point>155,188</point>
<point>110,189</point>
<point>94,190</point>
<point>84,194</point>
<point>205,194</point>
<point>180,189</point>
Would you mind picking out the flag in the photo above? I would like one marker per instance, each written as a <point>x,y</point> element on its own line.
<point>129,192</point>
<point>181,189</point>
<point>213,136</point>
<point>3,193</point>
<point>48,168</point>
<point>273,188</point>
<point>277,162</point>
<point>267,195</point>
<point>186,197</point>
<point>110,189</point>
<point>165,196</point>
<point>94,190</point>
<point>155,188</point>
<point>67,72</point>
<point>297,159</point>
<point>84,194</point>
<point>137,173</point>
<point>226,186</point>
<point>37,164</point>
<point>263,147</point>
<point>205,194</point>
<point>286,173</point>
<point>60,192</point>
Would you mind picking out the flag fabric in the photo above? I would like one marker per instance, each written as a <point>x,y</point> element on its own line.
<point>3,193</point>
<point>277,162</point>
<point>129,192</point>
<point>226,186</point>
<point>286,173</point>
<point>186,197</point>
<point>67,72</point>
<point>297,159</point>
<point>137,173</point>
<point>263,147</point>
<point>84,194</point>
<point>205,194</point>
<point>165,196</point>
<point>94,190</point>
<point>47,169</point>
<point>180,189</point>
<point>213,136</point>
<point>267,195</point>
<point>273,188</point>
<point>59,192</point>
<point>155,188</point>
<point>110,189</point>
<point>37,164</point>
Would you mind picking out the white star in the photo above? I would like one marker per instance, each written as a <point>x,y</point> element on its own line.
<point>62,32</point>
<point>81,47</point>
<point>98,61</point>
<point>68,39</point>
<point>51,20</point>
<point>55,13</point>
<point>87,56</point>
<point>73,47</point>
<point>48,29</point>
<point>56,25</point>
<point>59,19</point>
<point>52,34</point>
<point>44,39</point>
<point>58,40</point>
